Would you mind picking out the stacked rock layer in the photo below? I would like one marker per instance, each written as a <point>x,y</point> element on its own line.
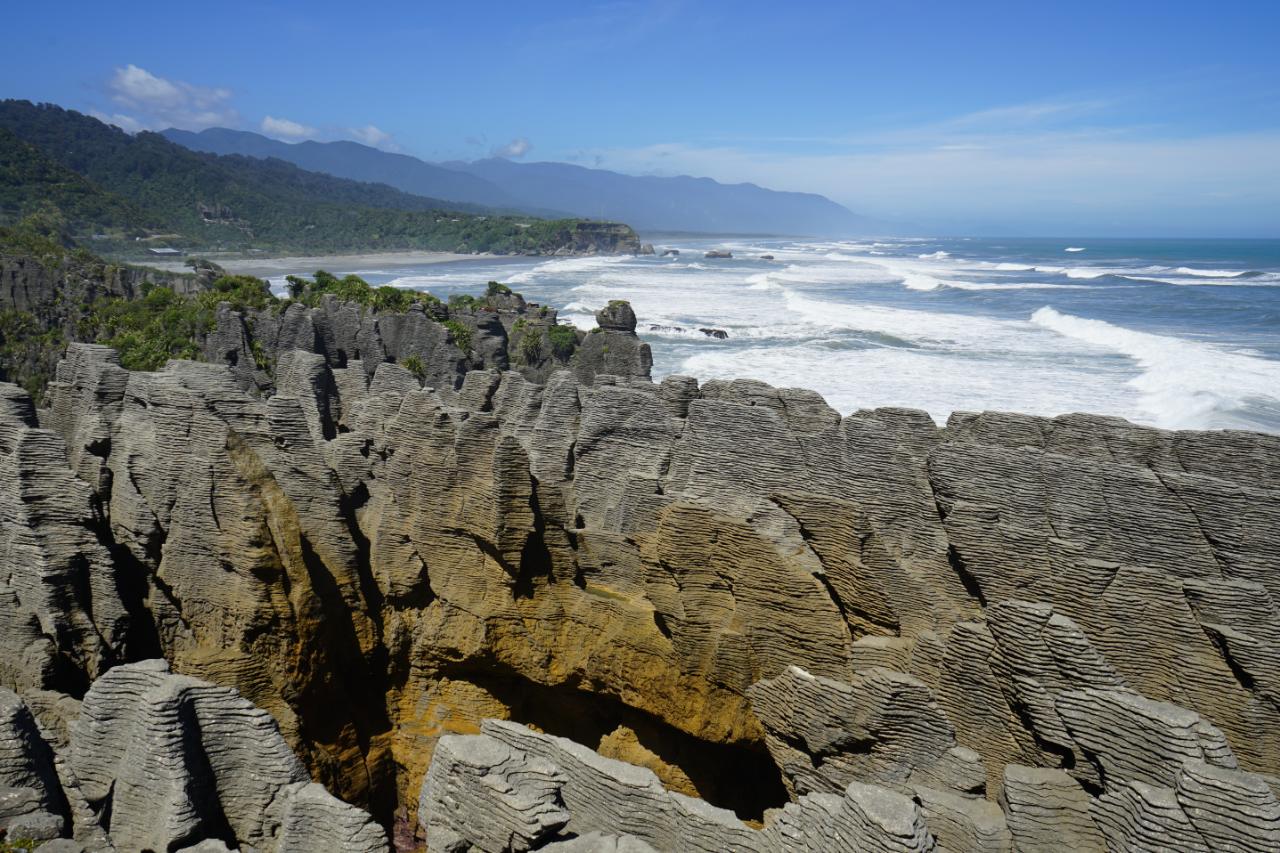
<point>797,629</point>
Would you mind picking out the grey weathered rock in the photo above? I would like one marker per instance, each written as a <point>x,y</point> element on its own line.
<point>209,845</point>
<point>1048,810</point>
<point>595,842</point>
<point>64,609</point>
<point>607,796</point>
<point>510,788</point>
<point>960,823</point>
<point>613,349</point>
<point>177,760</point>
<point>1229,809</point>
<point>494,797</point>
<point>32,804</point>
<point>882,726</point>
<point>1130,737</point>
<point>64,845</point>
<point>377,564</point>
<point>35,826</point>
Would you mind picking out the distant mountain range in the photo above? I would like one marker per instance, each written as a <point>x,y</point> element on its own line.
<point>646,203</point>
<point>127,193</point>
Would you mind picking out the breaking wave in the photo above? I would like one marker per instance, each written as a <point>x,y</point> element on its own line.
<point>1182,383</point>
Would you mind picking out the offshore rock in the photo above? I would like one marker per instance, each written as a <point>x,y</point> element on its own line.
<point>613,349</point>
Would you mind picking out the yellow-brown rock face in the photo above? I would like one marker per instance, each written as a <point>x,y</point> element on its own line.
<point>620,563</point>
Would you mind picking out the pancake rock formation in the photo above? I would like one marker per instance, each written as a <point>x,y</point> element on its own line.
<point>571,608</point>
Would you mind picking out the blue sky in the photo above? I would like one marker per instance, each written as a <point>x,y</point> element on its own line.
<point>1026,117</point>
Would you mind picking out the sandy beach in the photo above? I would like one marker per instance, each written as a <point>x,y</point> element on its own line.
<point>266,267</point>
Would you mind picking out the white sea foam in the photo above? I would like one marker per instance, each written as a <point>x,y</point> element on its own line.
<point>414,282</point>
<point>562,266</point>
<point>1209,273</point>
<point>868,329</point>
<point>919,281</point>
<point>1087,273</point>
<point>934,256</point>
<point>1074,249</point>
<point>1098,272</point>
<point>1182,384</point>
<point>1030,285</point>
<point>933,380</point>
<point>923,328</point>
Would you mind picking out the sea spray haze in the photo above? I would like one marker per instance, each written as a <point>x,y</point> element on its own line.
<point>1172,333</point>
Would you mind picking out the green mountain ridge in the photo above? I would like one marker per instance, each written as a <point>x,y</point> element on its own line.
<point>104,181</point>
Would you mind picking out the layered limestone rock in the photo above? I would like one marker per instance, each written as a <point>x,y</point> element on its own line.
<point>158,761</point>
<point>883,726</point>
<point>32,804</point>
<point>612,348</point>
<point>48,295</point>
<point>510,788</point>
<point>1009,623</point>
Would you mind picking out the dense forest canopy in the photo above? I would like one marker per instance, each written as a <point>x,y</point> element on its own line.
<point>115,188</point>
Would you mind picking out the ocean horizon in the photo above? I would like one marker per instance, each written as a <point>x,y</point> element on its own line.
<point>1173,333</point>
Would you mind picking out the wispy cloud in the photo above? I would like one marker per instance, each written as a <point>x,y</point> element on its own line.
<point>371,135</point>
<point>127,123</point>
<point>1045,162</point>
<point>286,129</point>
<point>517,147</point>
<point>979,128</point>
<point>1031,113</point>
<point>156,102</point>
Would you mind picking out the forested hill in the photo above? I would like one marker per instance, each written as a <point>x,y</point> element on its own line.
<point>146,186</point>
<point>32,182</point>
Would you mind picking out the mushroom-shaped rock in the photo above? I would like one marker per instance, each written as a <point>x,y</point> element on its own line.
<point>617,316</point>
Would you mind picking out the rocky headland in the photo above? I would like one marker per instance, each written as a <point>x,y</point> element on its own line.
<point>363,578</point>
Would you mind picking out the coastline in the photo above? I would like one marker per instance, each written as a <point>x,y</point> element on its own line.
<point>264,267</point>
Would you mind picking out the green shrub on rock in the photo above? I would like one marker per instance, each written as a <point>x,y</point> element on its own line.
<point>564,340</point>
<point>414,365</point>
<point>460,334</point>
<point>531,347</point>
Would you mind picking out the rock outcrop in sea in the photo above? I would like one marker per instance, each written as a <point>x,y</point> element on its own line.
<point>580,610</point>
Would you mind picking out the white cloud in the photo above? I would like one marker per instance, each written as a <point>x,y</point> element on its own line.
<point>158,103</point>
<point>517,147</point>
<point>284,128</point>
<point>128,124</point>
<point>371,135</point>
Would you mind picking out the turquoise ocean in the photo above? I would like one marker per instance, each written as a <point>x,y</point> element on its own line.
<point>1182,334</point>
